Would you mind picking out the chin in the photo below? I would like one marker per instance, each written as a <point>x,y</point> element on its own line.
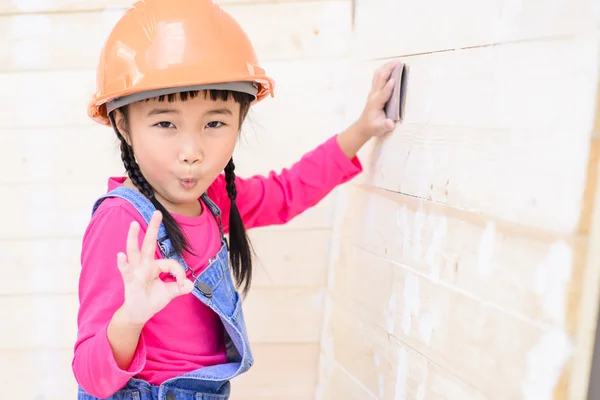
<point>185,197</point>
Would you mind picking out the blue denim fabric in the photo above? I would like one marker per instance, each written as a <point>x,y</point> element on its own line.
<point>213,287</point>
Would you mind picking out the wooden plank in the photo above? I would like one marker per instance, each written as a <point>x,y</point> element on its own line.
<point>299,312</point>
<point>281,261</point>
<point>477,349</point>
<point>48,211</point>
<point>69,154</point>
<point>43,266</point>
<point>46,41</point>
<point>392,28</point>
<point>339,384</point>
<point>47,373</point>
<point>49,321</point>
<point>24,6</point>
<point>268,380</point>
<point>51,266</point>
<point>484,131</point>
<point>391,369</point>
<point>40,321</point>
<point>50,105</point>
<point>478,87</point>
<point>525,273</point>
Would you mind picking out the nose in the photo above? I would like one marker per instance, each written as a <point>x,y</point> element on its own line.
<point>190,151</point>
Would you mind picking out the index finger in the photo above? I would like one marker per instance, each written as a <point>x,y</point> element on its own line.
<point>149,243</point>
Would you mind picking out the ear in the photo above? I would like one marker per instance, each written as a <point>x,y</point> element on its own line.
<point>121,123</point>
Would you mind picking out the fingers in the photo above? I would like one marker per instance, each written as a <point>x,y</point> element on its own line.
<point>122,263</point>
<point>171,266</point>
<point>151,236</point>
<point>381,97</point>
<point>133,253</point>
<point>182,285</point>
<point>175,289</point>
<point>383,74</point>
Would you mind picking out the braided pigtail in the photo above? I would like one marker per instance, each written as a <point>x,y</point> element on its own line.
<point>178,240</point>
<point>240,250</point>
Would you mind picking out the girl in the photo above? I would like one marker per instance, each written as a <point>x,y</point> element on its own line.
<point>160,316</point>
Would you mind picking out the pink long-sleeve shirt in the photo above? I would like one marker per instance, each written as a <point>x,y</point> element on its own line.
<point>185,335</point>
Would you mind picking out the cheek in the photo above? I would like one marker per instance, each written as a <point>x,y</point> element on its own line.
<point>218,149</point>
<point>153,151</point>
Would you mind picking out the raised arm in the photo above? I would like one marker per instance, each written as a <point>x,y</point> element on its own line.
<point>278,197</point>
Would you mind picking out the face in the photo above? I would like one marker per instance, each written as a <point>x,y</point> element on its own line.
<point>182,146</point>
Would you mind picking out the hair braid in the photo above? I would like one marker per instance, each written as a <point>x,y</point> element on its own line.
<point>240,251</point>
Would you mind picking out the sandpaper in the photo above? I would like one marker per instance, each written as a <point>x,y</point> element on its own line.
<point>394,108</point>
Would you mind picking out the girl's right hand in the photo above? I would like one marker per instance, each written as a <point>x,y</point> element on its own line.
<point>145,293</point>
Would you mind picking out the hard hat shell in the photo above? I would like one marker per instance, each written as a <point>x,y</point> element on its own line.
<point>167,46</point>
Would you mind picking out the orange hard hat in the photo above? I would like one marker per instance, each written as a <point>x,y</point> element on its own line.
<point>160,47</point>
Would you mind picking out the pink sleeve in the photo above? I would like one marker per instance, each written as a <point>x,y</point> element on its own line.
<point>277,198</point>
<point>100,295</point>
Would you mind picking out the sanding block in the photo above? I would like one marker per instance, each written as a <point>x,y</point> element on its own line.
<point>394,108</point>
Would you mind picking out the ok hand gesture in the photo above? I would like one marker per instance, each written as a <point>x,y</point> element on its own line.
<point>145,293</point>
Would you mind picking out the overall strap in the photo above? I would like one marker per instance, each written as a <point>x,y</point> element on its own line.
<point>216,212</point>
<point>146,209</point>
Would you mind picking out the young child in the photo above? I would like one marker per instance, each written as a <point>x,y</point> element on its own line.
<point>160,314</point>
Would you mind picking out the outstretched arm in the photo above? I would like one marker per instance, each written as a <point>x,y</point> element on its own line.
<point>278,197</point>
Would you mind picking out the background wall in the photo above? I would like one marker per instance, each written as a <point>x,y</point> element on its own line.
<point>54,162</point>
<point>466,266</point>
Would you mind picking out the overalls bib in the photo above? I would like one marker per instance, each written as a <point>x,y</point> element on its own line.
<point>213,287</point>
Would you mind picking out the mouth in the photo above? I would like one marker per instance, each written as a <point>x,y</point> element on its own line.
<point>188,183</point>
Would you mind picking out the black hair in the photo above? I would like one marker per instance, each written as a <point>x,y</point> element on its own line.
<point>240,249</point>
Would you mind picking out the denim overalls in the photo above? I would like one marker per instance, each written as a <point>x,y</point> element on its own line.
<point>213,287</point>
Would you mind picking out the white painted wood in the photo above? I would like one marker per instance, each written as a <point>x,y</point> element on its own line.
<point>463,254</point>
<point>67,6</point>
<point>34,41</point>
<point>499,130</point>
<point>394,28</point>
<point>60,98</point>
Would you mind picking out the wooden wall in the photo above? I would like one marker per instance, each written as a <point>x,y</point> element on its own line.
<point>466,262</point>
<point>54,162</point>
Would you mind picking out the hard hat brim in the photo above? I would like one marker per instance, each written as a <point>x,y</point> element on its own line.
<point>244,87</point>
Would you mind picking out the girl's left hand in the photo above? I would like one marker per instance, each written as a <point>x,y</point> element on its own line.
<point>373,121</point>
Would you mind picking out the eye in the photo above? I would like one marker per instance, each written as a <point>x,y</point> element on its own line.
<point>215,124</point>
<point>164,124</point>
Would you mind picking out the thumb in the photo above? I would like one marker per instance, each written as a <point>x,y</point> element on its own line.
<point>385,125</point>
<point>176,289</point>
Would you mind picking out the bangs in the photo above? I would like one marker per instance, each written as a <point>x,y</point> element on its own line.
<point>213,94</point>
